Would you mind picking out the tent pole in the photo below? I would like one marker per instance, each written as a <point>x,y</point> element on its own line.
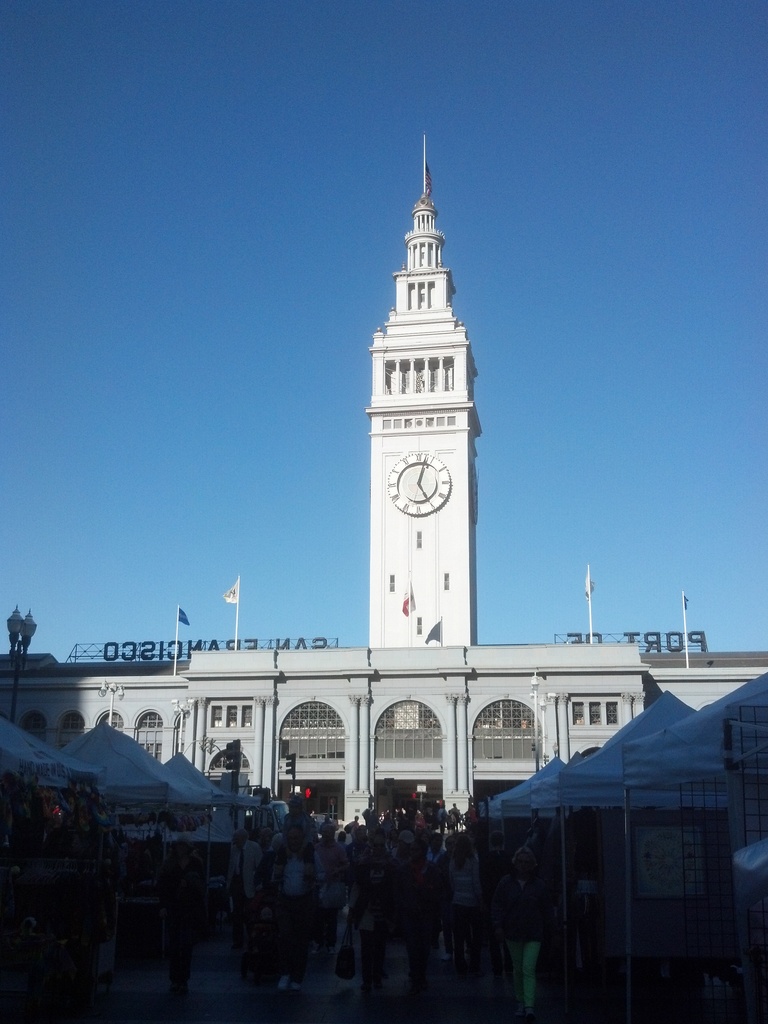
<point>564,885</point>
<point>627,906</point>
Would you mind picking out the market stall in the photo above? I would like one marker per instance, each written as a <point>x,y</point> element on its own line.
<point>56,889</point>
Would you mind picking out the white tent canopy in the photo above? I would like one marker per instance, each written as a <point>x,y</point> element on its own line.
<point>132,777</point>
<point>690,750</point>
<point>598,780</point>
<point>22,753</point>
<point>181,769</point>
<point>517,802</point>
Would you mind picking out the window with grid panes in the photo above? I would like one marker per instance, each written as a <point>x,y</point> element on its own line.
<point>313,730</point>
<point>408,729</point>
<point>504,730</point>
<point>149,733</point>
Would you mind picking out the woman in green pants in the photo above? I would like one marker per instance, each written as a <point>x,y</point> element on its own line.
<point>521,910</point>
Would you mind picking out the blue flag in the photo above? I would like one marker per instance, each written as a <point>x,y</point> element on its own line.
<point>183,617</point>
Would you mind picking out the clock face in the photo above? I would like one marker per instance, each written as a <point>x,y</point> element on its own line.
<point>419,484</point>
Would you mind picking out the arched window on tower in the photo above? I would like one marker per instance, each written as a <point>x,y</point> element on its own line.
<point>408,729</point>
<point>504,731</point>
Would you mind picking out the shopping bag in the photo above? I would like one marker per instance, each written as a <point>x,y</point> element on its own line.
<point>345,958</point>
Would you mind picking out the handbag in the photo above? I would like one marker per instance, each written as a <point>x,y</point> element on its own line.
<point>345,958</point>
<point>333,895</point>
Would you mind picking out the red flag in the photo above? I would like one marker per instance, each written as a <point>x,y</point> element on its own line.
<point>409,602</point>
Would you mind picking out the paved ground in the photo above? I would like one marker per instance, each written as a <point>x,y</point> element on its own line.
<point>140,994</point>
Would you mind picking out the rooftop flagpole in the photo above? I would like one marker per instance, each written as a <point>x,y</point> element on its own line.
<point>232,596</point>
<point>424,168</point>
<point>237,612</point>
<point>685,629</point>
<point>176,643</point>
<point>588,588</point>
<point>181,616</point>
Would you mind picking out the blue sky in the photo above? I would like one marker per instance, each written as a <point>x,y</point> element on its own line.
<point>203,207</point>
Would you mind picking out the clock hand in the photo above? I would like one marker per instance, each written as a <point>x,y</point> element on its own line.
<point>421,477</point>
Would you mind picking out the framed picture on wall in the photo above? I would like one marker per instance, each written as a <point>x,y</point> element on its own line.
<point>668,861</point>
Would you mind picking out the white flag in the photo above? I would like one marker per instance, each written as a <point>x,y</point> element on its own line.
<point>232,596</point>
<point>589,586</point>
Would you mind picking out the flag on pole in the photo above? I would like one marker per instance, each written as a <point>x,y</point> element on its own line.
<point>409,602</point>
<point>685,601</point>
<point>427,180</point>
<point>232,596</point>
<point>183,617</point>
<point>589,586</point>
<point>436,633</point>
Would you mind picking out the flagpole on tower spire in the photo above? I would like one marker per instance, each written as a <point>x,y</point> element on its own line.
<point>424,167</point>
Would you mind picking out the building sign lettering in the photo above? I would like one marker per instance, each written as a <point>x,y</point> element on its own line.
<point>649,643</point>
<point>182,650</point>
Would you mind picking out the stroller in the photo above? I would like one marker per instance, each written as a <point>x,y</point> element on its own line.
<point>261,956</point>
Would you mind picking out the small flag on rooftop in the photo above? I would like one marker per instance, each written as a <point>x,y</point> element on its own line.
<point>183,617</point>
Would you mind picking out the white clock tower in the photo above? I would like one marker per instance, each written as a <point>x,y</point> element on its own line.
<point>423,477</point>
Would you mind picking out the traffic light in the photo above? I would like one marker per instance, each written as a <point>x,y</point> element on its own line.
<point>290,766</point>
<point>307,792</point>
<point>232,756</point>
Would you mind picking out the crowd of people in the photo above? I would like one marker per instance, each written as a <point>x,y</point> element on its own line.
<point>415,884</point>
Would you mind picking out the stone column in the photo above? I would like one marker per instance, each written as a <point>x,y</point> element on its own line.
<point>365,744</point>
<point>549,740</point>
<point>449,747</point>
<point>564,721</point>
<point>269,756</point>
<point>462,745</point>
<point>353,746</point>
<point>626,708</point>
<point>196,736</point>
<point>258,742</point>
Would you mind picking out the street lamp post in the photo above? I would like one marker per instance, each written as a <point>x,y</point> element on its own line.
<point>114,690</point>
<point>182,709</point>
<point>20,633</point>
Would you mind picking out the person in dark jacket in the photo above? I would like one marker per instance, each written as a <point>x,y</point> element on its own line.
<point>494,864</point>
<point>183,907</point>
<point>372,909</point>
<point>417,893</point>
<point>521,909</point>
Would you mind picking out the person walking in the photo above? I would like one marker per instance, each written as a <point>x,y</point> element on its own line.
<point>494,864</point>
<point>372,908</point>
<point>521,910</point>
<point>181,890</point>
<point>294,874</point>
<point>244,858</point>
<point>417,888</point>
<point>331,867</point>
<point>466,906</point>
